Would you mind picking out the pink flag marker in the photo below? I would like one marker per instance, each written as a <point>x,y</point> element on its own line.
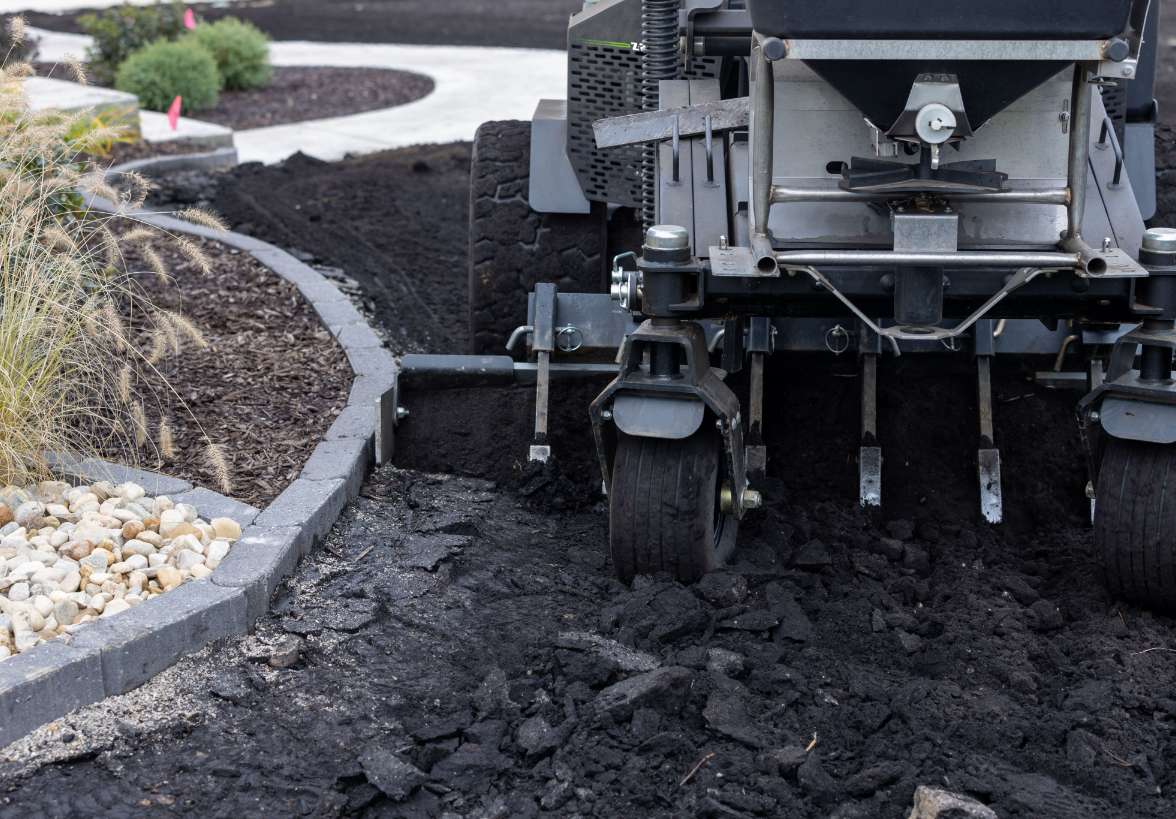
<point>189,19</point>
<point>173,112</point>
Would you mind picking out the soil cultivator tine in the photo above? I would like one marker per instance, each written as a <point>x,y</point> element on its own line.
<point>991,501</point>
<point>870,479</point>
<point>988,456</point>
<point>543,342</point>
<point>870,456</point>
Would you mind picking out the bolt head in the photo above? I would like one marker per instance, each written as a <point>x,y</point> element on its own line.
<point>667,237</point>
<point>774,49</point>
<point>752,499</point>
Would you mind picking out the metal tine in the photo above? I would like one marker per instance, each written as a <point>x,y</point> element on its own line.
<point>988,456</point>
<point>870,454</point>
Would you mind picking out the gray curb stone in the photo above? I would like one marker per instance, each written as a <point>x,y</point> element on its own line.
<point>55,679</point>
<point>311,506</point>
<point>137,644</point>
<point>119,653</point>
<point>343,458</point>
<point>92,470</point>
<point>257,563</point>
<point>356,421</point>
<point>216,160</point>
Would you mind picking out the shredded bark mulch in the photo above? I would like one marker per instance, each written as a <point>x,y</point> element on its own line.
<point>297,94</point>
<point>267,387</point>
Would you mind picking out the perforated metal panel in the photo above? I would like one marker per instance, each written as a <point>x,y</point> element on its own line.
<point>1114,98</point>
<point>605,81</point>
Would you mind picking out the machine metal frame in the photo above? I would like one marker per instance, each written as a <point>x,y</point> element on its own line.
<point>718,275</point>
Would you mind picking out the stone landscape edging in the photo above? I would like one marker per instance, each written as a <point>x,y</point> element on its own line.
<point>218,159</point>
<point>114,655</point>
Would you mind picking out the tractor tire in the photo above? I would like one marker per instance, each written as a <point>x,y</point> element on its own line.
<point>664,513</point>
<point>512,247</point>
<point>1135,522</point>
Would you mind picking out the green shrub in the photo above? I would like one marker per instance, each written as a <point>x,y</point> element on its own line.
<point>163,70</point>
<point>241,52</point>
<point>118,32</point>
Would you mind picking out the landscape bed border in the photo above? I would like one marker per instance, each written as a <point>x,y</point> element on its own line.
<point>114,655</point>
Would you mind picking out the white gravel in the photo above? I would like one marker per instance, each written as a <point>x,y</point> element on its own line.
<point>72,554</point>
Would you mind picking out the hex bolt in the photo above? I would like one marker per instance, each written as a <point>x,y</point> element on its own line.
<point>401,413</point>
<point>752,499</point>
<point>774,49</point>
<point>606,414</point>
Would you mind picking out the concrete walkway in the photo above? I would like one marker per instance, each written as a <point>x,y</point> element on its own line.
<point>472,85</point>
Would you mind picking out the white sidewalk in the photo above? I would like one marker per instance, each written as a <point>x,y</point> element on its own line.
<point>472,85</point>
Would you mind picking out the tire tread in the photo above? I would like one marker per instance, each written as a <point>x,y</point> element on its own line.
<point>661,510</point>
<point>512,248</point>
<point>1135,522</point>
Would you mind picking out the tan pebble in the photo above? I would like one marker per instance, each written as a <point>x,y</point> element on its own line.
<point>226,529</point>
<point>168,577</point>
<point>131,529</point>
<point>200,571</point>
<point>5,514</point>
<point>78,549</point>
<point>182,528</point>
<point>151,523</point>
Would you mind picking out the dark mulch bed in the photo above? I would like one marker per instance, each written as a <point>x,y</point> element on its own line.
<point>267,387</point>
<point>522,23</point>
<point>300,93</point>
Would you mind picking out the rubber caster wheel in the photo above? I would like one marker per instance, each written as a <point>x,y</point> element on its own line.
<point>1135,522</point>
<point>664,507</point>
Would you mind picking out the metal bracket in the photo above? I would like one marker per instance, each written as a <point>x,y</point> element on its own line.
<point>699,381</point>
<point>689,121</point>
<point>895,334</point>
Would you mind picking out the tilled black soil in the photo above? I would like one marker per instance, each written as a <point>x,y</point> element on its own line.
<point>464,653</point>
<point>394,221</point>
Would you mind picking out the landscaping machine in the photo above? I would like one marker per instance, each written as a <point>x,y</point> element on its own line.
<point>969,177</point>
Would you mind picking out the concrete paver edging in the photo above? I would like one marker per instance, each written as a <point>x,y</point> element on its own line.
<point>219,159</point>
<point>116,654</point>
